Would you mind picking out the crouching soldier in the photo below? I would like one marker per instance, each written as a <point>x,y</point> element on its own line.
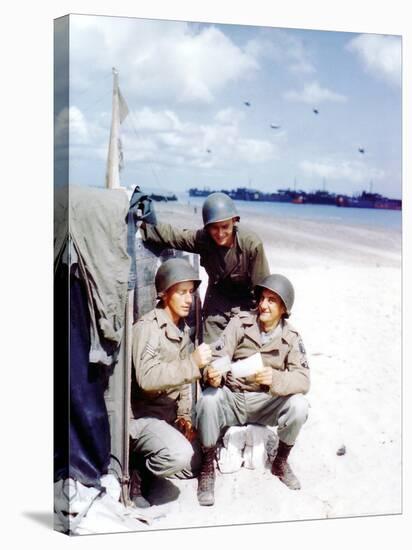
<point>273,396</point>
<point>161,431</point>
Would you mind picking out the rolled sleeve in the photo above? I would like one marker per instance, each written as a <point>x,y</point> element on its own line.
<point>167,236</point>
<point>184,403</point>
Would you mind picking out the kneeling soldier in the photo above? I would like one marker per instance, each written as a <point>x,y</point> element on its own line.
<point>273,396</point>
<point>162,431</point>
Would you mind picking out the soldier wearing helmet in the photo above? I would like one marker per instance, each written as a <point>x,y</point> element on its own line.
<point>233,258</point>
<point>164,367</point>
<point>273,396</point>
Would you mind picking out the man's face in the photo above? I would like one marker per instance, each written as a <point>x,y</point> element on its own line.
<point>178,299</point>
<point>271,308</point>
<point>222,232</point>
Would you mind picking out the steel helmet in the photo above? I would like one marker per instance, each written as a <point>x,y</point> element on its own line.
<point>281,286</point>
<point>217,208</point>
<point>173,271</point>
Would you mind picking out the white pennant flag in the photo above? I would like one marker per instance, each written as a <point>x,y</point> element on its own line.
<point>115,159</point>
<point>123,108</point>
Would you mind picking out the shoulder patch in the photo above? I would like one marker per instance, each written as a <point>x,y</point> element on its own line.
<point>303,359</point>
<point>219,344</point>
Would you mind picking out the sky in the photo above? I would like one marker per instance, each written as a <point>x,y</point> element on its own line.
<point>203,100</point>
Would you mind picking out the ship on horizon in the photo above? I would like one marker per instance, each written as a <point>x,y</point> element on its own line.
<point>364,200</point>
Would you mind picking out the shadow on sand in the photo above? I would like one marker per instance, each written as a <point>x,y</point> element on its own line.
<point>42,518</point>
<point>162,491</point>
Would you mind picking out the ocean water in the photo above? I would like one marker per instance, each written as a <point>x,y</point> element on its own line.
<point>389,219</point>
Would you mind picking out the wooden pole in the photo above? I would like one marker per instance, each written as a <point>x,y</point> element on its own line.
<point>126,397</point>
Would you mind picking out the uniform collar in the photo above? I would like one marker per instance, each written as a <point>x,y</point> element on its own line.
<point>272,334</point>
<point>288,332</point>
<point>285,334</point>
<point>251,327</point>
<point>238,238</point>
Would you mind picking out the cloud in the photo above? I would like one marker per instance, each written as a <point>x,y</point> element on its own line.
<point>61,128</point>
<point>351,171</point>
<point>147,119</point>
<point>157,60</point>
<point>282,48</point>
<point>80,137</point>
<point>79,133</point>
<point>380,55</point>
<point>229,116</point>
<point>164,138</point>
<point>71,125</point>
<point>314,94</point>
<point>299,56</point>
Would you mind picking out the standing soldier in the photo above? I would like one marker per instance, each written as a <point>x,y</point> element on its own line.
<point>273,396</point>
<point>233,258</point>
<point>162,430</point>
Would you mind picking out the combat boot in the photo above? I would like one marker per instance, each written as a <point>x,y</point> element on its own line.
<point>281,468</point>
<point>206,483</point>
<point>135,490</point>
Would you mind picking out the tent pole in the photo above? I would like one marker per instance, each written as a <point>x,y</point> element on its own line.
<point>126,398</point>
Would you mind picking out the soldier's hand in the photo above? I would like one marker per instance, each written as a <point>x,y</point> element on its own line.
<point>186,428</point>
<point>264,376</point>
<point>213,377</point>
<point>202,355</point>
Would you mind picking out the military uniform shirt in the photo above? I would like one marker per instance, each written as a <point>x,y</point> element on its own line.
<point>163,367</point>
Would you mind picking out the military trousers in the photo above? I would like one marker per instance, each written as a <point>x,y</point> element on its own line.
<point>166,452</point>
<point>219,408</point>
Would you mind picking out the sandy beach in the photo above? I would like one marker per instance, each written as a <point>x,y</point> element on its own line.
<point>348,311</point>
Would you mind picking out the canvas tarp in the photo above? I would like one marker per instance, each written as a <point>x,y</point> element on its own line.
<point>98,234</point>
